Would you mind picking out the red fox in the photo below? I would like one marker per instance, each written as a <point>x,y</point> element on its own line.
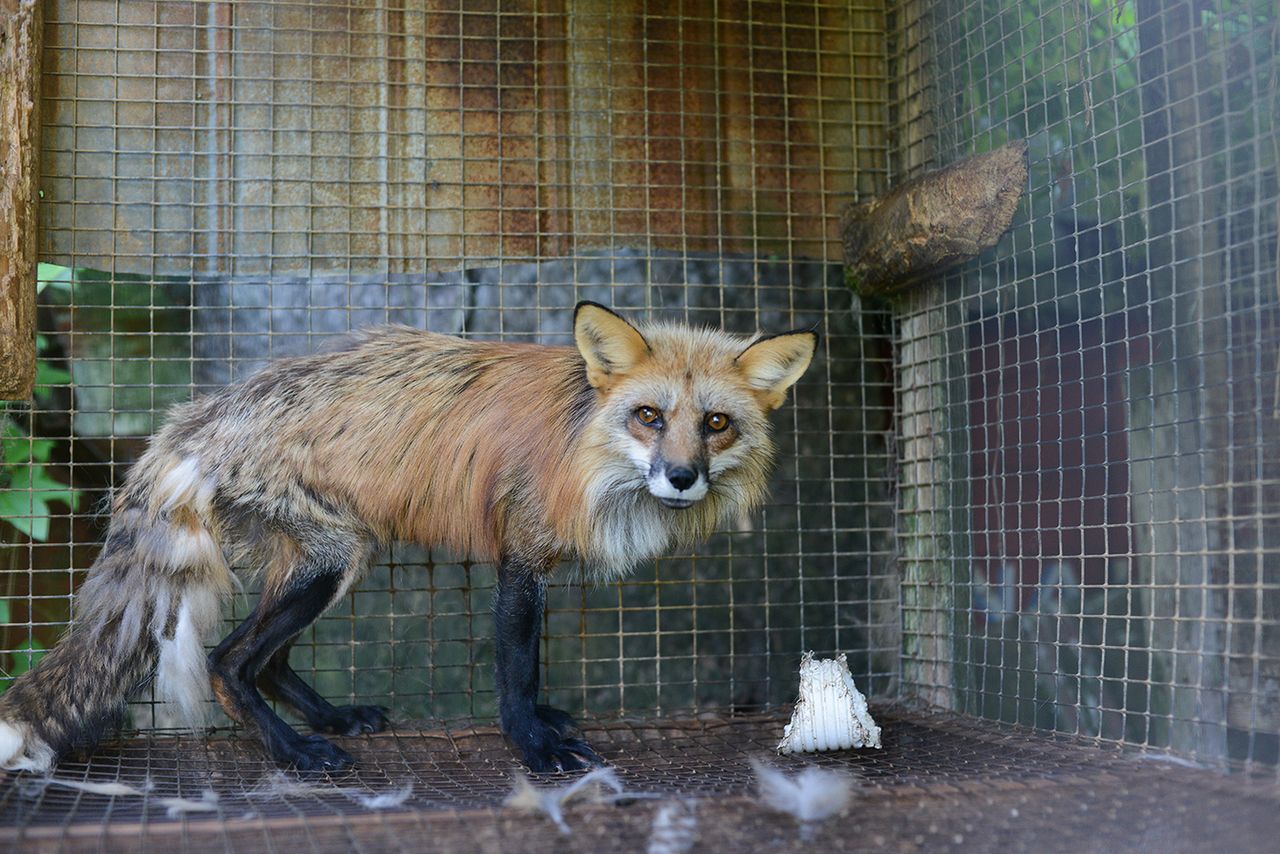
<point>639,439</point>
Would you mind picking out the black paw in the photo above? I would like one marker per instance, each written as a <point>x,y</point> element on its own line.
<point>312,753</point>
<point>559,721</point>
<point>561,754</point>
<point>353,720</point>
<point>546,748</point>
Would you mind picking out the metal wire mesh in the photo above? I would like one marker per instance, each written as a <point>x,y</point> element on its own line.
<point>1041,490</point>
<point>224,183</point>
<point>940,783</point>
<point>1090,446</point>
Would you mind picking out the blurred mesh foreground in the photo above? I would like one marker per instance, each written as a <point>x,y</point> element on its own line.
<point>1036,501</point>
<point>940,783</point>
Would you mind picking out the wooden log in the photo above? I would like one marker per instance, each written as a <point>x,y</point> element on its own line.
<point>19,127</point>
<point>932,222</point>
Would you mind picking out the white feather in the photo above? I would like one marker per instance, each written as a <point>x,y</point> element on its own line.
<point>112,789</point>
<point>675,828</point>
<point>383,800</point>
<point>551,800</point>
<point>175,807</point>
<point>280,785</point>
<point>812,795</point>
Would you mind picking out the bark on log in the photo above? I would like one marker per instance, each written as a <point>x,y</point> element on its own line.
<point>932,222</point>
<point>19,127</point>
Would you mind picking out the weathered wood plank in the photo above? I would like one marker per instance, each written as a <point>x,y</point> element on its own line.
<point>19,127</point>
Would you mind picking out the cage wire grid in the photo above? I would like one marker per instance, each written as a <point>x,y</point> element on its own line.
<point>224,183</point>
<point>942,783</point>
<point>233,182</point>
<point>1088,415</point>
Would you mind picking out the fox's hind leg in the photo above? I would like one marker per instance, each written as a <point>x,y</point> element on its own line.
<point>281,681</point>
<point>292,600</point>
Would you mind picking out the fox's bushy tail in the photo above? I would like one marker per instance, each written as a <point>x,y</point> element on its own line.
<point>151,597</point>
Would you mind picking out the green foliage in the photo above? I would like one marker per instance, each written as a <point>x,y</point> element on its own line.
<point>1066,75</point>
<point>25,657</point>
<point>131,355</point>
<point>27,489</point>
<point>1063,76</point>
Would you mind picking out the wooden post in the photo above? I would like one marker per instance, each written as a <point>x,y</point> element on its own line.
<point>926,520</point>
<point>932,222</point>
<point>19,130</point>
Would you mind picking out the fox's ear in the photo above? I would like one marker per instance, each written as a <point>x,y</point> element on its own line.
<point>772,365</point>
<point>610,345</point>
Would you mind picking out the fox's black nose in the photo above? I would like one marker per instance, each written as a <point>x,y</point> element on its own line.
<point>682,478</point>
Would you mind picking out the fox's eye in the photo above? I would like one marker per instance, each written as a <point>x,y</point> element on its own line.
<point>649,415</point>
<point>717,422</point>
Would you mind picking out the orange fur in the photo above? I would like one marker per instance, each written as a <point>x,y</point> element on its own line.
<point>479,447</point>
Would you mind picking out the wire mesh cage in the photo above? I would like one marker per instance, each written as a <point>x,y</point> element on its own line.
<point>267,177</point>
<point>1043,488</point>
<point>1089,414</point>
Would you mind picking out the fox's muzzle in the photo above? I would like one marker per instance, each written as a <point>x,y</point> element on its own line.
<point>677,485</point>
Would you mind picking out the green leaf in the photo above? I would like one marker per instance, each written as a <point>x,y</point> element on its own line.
<point>18,508</point>
<point>37,528</point>
<point>47,375</point>
<point>27,656</point>
<point>4,612</point>
<point>17,450</point>
<point>20,479</point>
<point>53,275</point>
<point>45,488</point>
<point>25,504</point>
<point>41,449</point>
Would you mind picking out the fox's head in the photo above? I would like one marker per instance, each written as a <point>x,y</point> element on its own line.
<point>683,411</point>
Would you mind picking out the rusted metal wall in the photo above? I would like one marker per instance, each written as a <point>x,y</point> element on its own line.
<point>250,138</point>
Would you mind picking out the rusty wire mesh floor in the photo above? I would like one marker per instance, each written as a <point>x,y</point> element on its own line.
<point>940,782</point>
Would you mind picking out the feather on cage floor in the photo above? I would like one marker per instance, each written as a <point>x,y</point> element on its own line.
<point>941,782</point>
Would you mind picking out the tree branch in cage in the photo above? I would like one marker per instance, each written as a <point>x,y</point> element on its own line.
<point>932,222</point>
<point>19,126</point>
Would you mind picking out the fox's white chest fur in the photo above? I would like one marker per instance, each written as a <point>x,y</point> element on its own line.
<point>628,527</point>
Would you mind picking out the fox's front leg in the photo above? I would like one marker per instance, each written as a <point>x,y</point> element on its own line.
<point>540,732</point>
